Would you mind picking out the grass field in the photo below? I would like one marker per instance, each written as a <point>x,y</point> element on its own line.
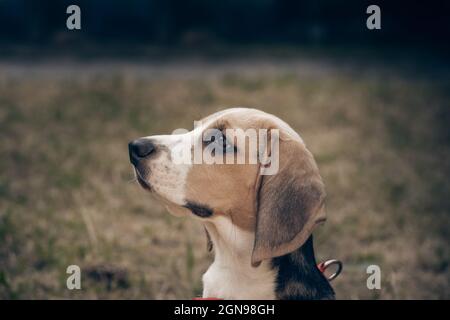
<point>67,196</point>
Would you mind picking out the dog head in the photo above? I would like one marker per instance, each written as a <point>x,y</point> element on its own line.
<point>280,209</point>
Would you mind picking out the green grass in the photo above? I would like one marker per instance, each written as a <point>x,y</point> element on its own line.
<point>380,138</point>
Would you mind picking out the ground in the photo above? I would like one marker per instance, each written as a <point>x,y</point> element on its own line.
<point>378,131</point>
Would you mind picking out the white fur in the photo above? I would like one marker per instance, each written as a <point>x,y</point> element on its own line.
<point>231,276</point>
<point>167,178</point>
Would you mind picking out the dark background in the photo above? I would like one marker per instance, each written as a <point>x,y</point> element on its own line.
<point>195,22</point>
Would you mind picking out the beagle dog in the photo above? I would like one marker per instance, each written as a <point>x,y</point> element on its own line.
<point>260,226</point>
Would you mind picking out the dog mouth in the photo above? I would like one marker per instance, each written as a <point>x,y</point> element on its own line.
<point>144,183</point>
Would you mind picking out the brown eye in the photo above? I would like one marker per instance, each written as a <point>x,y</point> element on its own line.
<point>226,145</point>
<point>220,139</point>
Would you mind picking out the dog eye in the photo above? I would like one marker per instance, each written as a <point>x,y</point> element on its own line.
<point>220,140</point>
<point>226,145</point>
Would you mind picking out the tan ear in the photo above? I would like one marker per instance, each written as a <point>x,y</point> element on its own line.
<point>290,203</point>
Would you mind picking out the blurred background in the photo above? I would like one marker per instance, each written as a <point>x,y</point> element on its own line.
<point>372,105</point>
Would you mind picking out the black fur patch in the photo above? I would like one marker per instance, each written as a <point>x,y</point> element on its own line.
<point>299,278</point>
<point>199,210</point>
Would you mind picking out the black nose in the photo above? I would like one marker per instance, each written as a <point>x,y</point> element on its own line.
<point>139,149</point>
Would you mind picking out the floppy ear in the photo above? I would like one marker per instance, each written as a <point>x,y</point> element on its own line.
<point>290,203</point>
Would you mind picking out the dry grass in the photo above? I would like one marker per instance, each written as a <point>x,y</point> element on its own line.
<point>67,196</point>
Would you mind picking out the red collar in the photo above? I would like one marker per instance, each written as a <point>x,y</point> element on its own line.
<point>323,266</point>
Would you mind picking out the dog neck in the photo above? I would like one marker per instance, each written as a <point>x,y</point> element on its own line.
<point>298,276</point>
<point>231,276</point>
